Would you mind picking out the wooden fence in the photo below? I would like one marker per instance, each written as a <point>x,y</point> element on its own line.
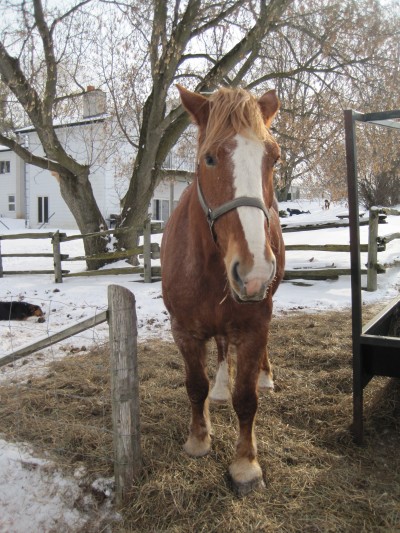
<point>121,317</point>
<point>151,251</point>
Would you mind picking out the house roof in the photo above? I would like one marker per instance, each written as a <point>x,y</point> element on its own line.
<point>81,122</point>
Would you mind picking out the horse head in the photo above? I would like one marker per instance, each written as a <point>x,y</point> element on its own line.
<point>236,157</point>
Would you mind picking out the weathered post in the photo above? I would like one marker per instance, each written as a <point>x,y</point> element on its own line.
<point>372,265</point>
<point>147,251</point>
<point>125,390</point>
<point>57,257</point>
<point>1,263</point>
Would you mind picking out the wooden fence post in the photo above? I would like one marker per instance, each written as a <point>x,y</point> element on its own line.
<point>147,251</point>
<point>372,265</point>
<point>1,263</point>
<point>57,257</point>
<point>124,390</point>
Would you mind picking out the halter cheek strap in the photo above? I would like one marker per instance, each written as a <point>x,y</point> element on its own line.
<point>241,201</point>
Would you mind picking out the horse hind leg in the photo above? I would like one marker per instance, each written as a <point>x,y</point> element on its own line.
<point>197,384</point>
<point>265,379</point>
<point>221,393</point>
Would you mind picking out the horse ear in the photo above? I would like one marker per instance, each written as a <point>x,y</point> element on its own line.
<point>269,104</point>
<point>195,104</point>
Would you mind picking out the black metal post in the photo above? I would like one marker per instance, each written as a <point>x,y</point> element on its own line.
<point>356,310</point>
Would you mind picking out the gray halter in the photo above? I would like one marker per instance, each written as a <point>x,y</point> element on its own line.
<point>213,214</point>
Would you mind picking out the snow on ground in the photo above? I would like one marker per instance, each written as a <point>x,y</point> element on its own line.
<point>51,505</point>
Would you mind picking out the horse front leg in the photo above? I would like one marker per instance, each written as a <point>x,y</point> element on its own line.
<point>245,471</point>
<point>265,379</point>
<point>221,393</point>
<point>197,385</point>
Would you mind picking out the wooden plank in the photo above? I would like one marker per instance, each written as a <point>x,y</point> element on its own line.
<point>49,340</point>
<point>66,238</point>
<point>27,272</point>
<point>312,227</point>
<point>28,255</point>
<point>314,274</point>
<point>26,236</point>
<point>372,263</point>
<point>389,211</point>
<point>147,252</point>
<point>1,263</point>
<point>110,255</point>
<point>107,272</point>
<point>124,391</point>
<point>155,228</point>
<point>385,239</point>
<point>323,247</point>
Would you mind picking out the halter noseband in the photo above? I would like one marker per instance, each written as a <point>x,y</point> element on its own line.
<point>241,201</point>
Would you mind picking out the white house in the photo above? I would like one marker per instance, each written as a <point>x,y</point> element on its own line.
<point>12,178</point>
<point>32,193</point>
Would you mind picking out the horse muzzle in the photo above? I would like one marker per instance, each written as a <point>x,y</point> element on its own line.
<point>250,288</point>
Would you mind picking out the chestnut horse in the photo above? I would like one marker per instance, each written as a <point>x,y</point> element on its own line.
<point>222,258</point>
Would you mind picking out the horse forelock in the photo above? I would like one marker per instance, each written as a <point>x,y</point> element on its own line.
<point>232,111</point>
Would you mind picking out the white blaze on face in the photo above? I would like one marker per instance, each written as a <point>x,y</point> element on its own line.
<point>247,159</point>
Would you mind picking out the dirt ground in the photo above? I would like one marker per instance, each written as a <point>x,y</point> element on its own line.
<point>317,479</point>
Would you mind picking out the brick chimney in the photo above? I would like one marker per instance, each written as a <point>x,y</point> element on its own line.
<point>94,102</point>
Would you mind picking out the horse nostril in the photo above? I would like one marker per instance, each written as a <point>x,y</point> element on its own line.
<point>235,273</point>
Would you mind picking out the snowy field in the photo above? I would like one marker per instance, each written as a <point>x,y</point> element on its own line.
<point>50,505</point>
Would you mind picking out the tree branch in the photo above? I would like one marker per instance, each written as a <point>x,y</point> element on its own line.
<point>14,78</point>
<point>28,157</point>
<point>50,60</point>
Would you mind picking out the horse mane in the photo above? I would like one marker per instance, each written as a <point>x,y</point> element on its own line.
<point>233,111</point>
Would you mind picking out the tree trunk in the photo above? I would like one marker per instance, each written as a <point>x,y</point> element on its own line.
<point>282,193</point>
<point>137,201</point>
<point>77,193</point>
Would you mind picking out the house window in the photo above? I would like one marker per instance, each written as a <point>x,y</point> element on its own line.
<point>11,202</point>
<point>43,209</point>
<point>160,210</point>
<point>5,167</point>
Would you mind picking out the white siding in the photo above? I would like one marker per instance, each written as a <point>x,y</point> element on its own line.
<point>11,185</point>
<point>110,159</point>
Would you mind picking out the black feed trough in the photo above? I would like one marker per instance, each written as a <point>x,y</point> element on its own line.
<point>380,344</point>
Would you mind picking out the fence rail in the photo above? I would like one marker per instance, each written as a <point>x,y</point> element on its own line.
<point>151,251</point>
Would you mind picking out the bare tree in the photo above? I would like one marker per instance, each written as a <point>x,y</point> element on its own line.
<point>374,87</point>
<point>34,82</point>
<point>139,50</point>
<point>315,60</point>
<point>192,42</point>
<point>34,66</point>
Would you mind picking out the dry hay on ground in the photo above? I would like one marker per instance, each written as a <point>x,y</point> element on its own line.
<point>317,480</point>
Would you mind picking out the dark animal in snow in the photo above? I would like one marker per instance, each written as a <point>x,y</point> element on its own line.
<point>20,311</point>
<point>297,212</point>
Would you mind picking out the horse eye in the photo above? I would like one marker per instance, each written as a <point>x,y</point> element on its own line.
<point>210,161</point>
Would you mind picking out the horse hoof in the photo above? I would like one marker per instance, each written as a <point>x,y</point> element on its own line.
<point>245,477</point>
<point>243,489</point>
<point>197,448</point>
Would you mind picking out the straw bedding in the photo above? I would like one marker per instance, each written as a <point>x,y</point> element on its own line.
<point>317,480</point>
